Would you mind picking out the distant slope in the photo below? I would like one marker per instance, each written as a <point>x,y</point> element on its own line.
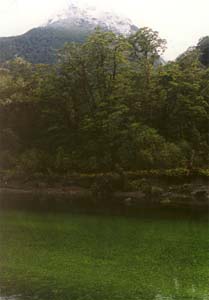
<point>203,47</point>
<point>40,45</point>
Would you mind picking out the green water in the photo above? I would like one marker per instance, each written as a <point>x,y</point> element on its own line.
<point>84,257</point>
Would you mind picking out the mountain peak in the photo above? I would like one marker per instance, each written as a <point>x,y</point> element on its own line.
<point>91,17</point>
<point>73,24</point>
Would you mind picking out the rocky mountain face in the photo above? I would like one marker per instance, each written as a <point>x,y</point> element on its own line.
<point>40,44</point>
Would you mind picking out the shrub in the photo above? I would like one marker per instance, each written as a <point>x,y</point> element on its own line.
<point>7,160</point>
<point>34,161</point>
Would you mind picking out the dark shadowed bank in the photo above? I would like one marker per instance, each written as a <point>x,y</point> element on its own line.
<point>116,192</point>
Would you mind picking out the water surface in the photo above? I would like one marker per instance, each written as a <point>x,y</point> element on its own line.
<point>151,256</point>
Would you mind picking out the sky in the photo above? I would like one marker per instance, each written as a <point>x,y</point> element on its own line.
<point>180,22</point>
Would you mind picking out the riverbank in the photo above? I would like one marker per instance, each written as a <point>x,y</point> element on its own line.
<point>170,188</point>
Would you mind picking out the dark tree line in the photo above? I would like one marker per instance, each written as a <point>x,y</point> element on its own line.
<point>108,102</point>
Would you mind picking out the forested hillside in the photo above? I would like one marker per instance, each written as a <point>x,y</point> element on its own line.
<point>105,104</point>
<point>40,45</point>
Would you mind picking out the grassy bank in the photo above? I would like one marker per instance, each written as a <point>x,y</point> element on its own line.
<point>93,257</point>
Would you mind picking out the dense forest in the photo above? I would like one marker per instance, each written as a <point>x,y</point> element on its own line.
<point>105,104</point>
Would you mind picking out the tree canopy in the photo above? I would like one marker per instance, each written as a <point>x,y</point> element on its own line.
<point>107,102</point>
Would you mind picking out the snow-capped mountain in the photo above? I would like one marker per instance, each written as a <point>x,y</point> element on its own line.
<point>74,24</point>
<point>91,17</point>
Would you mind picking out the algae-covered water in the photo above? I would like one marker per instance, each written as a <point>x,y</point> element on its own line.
<point>93,257</point>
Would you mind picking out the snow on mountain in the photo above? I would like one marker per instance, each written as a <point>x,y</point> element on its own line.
<point>91,17</point>
<point>73,24</point>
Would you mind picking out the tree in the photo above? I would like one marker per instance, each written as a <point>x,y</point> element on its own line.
<point>147,48</point>
<point>106,103</point>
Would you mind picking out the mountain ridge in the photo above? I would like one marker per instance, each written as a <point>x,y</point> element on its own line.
<point>40,44</point>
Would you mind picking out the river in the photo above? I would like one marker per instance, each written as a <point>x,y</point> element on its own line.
<point>152,255</point>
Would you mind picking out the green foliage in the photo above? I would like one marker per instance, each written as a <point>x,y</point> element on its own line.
<point>147,44</point>
<point>33,161</point>
<point>7,160</point>
<point>106,103</point>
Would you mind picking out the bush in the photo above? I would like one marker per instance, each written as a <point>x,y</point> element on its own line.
<point>34,161</point>
<point>62,163</point>
<point>104,186</point>
<point>9,141</point>
<point>7,160</point>
<point>155,152</point>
